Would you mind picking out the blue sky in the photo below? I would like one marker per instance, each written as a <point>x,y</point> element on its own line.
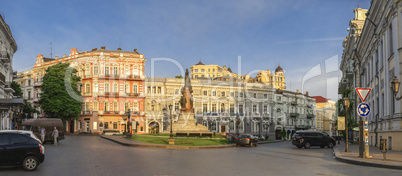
<point>297,35</point>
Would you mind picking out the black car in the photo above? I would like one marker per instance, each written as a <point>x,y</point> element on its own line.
<point>307,139</point>
<point>247,139</point>
<point>20,149</point>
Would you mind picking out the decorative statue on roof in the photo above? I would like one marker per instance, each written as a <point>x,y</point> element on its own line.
<point>186,100</point>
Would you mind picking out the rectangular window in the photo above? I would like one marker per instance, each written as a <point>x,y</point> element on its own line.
<point>107,72</point>
<point>232,94</point>
<point>241,94</point>
<point>96,70</point>
<point>95,87</point>
<point>213,70</point>
<point>255,95</point>
<point>205,92</point>
<point>107,87</point>
<point>391,51</point>
<point>213,107</point>
<point>87,70</point>
<point>209,70</point>
<point>115,71</point>
<point>265,109</point>
<point>265,96</point>
<point>176,91</point>
<point>231,108</point>
<point>87,88</point>
<point>254,108</point>
<point>202,70</point>
<point>106,125</point>
<point>149,89</point>
<point>115,125</point>
<point>135,71</point>
<point>241,109</point>
<point>213,93</point>
<point>176,106</point>
<point>204,108</point>
<point>196,70</point>
<point>196,76</point>
<point>135,88</point>
<point>223,93</point>
<point>159,90</point>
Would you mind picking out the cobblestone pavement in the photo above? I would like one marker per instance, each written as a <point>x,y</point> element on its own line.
<point>94,156</point>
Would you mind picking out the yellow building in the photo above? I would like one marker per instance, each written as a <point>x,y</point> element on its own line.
<point>325,117</point>
<point>216,72</point>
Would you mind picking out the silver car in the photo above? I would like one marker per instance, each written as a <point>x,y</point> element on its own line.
<point>247,139</point>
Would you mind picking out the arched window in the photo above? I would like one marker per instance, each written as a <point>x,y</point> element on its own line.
<point>95,106</point>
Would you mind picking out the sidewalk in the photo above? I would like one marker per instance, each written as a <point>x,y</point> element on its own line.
<point>393,158</point>
<point>131,143</point>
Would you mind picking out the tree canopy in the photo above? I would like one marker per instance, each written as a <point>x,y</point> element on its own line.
<point>179,76</point>
<point>60,97</point>
<point>17,89</point>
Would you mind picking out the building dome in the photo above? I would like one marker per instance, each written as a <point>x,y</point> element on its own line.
<point>279,69</point>
<point>200,63</point>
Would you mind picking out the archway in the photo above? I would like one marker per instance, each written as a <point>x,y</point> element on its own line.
<point>153,127</point>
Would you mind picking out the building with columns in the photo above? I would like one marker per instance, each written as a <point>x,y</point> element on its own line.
<point>261,109</point>
<point>372,60</point>
<point>112,81</point>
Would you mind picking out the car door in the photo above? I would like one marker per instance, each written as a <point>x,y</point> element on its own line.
<point>321,139</point>
<point>4,142</point>
<point>18,147</point>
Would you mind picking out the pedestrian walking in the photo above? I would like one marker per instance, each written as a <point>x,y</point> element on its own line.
<point>55,135</point>
<point>42,134</point>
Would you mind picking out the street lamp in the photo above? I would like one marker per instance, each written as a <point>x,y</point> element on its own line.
<point>395,87</point>
<point>171,124</point>
<point>346,103</point>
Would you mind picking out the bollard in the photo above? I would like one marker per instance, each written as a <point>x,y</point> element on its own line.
<point>383,147</point>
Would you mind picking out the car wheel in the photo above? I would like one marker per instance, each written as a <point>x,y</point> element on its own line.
<point>30,163</point>
<point>330,145</point>
<point>251,144</point>
<point>299,146</point>
<point>307,145</point>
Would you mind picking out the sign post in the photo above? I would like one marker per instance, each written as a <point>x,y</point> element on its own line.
<point>363,110</point>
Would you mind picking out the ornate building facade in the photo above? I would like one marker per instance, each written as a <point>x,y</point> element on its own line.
<point>112,81</point>
<point>325,115</point>
<point>260,109</point>
<point>372,61</point>
<point>10,107</point>
<point>215,72</point>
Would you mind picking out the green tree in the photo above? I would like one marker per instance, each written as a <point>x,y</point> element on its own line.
<point>29,109</point>
<point>283,133</point>
<point>179,76</point>
<point>60,97</point>
<point>17,89</point>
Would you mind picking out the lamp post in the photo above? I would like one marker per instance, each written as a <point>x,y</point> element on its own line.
<point>346,103</point>
<point>171,124</point>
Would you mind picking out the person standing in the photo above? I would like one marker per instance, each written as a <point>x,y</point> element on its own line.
<point>55,135</point>
<point>42,134</point>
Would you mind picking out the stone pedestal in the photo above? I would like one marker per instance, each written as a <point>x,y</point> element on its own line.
<point>186,123</point>
<point>171,141</point>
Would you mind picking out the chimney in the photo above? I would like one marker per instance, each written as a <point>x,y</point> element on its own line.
<point>118,49</point>
<point>103,47</point>
<point>306,93</point>
<point>297,91</point>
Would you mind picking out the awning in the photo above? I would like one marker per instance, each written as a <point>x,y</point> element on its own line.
<point>288,131</point>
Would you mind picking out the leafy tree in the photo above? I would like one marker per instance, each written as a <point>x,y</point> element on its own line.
<point>17,89</point>
<point>29,109</point>
<point>283,133</point>
<point>60,97</point>
<point>179,76</point>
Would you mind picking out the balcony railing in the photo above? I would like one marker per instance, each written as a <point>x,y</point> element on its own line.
<point>133,94</point>
<point>110,112</point>
<point>4,57</point>
<point>86,112</point>
<point>294,114</point>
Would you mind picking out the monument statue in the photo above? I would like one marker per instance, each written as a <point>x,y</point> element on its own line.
<point>186,100</point>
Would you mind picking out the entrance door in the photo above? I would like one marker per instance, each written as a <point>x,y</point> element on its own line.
<point>71,130</point>
<point>223,129</point>
<point>278,134</point>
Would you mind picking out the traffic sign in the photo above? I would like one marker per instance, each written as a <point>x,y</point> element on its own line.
<point>363,109</point>
<point>363,93</point>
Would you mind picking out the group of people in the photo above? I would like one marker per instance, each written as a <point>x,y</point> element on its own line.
<point>55,135</point>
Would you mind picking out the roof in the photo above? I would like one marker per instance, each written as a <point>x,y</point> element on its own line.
<point>320,99</point>
<point>200,63</point>
<point>279,69</point>
<point>11,100</point>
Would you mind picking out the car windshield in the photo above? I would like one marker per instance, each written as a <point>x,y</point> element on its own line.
<point>244,136</point>
<point>297,134</point>
<point>325,134</point>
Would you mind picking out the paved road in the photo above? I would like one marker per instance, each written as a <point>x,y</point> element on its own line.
<point>91,155</point>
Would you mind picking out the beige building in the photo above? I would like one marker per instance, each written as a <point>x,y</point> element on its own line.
<point>325,115</point>
<point>372,60</point>
<point>215,72</point>
<point>261,109</point>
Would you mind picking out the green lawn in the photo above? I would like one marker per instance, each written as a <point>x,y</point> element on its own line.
<point>180,141</point>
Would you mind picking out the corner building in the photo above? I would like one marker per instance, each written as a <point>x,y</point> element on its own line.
<point>112,81</point>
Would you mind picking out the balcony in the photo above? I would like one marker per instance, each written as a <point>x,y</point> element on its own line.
<point>293,103</point>
<point>8,89</point>
<point>86,112</point>
<point>5,57</point>
<point>111,112</point>
<point>133,94</point>
<point>133,77</point>
<point>303,127</point>
<point>310,116</point>
<point>294,114</point>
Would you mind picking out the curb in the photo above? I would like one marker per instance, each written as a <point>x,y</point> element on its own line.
<point>338,156</point>
<point>143,145</point>
<point>267,142</point>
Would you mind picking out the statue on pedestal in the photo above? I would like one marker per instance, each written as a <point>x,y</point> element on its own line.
<point>186,100</point>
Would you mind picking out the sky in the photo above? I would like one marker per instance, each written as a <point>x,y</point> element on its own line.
<point>303,37</point>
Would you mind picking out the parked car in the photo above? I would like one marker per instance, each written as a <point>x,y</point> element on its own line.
<point>26,132</point>
<point>20,149</point>
<point>35,125</point>
<point>247,139</point>
<point>307,139</point>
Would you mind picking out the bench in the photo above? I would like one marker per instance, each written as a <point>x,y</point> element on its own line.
<point>194,134</point>
<point>181,134</point>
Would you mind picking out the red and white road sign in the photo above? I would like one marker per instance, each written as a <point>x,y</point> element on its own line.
<point>363,93</point>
